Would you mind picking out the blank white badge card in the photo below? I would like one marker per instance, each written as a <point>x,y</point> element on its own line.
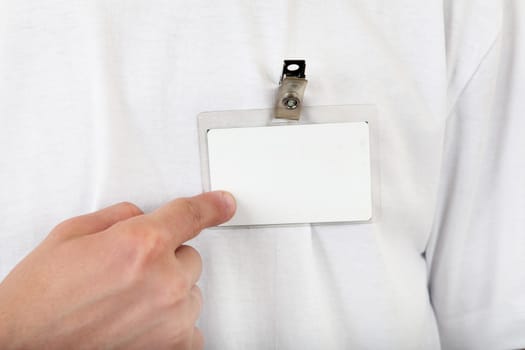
<point>293,174</point>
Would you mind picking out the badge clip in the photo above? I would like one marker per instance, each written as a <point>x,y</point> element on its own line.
<point>291,90</point>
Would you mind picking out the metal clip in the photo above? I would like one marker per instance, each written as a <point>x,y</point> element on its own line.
<point>291,90</point>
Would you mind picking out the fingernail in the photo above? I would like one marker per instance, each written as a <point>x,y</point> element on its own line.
<point>229,202</point>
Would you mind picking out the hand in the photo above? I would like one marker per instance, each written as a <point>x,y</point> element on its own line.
<point>116,278</point>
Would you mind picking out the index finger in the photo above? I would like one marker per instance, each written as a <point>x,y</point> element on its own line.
<point>184,218</point>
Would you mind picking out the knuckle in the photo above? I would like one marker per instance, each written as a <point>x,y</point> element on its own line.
<point>180,287</point>
<point>197,291</point>
<point>172,296</point>
<point>62,228</point>
<point>181,304</point>
<point>129,208</point>
<point>187,329</point>
<point>198,296</point>
<point>191,251</point>
<point>188,324</point>
<point>198,257</point>
<point>198,339</point>
<point>143,241</point>
<point>186,311</point>
<point>181,332</point>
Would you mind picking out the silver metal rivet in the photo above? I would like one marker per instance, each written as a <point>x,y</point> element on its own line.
<point>291,102</point>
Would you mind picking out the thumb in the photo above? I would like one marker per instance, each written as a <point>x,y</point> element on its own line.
<point>96,221</point>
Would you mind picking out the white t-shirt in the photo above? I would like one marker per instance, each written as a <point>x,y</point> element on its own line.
<point>98,104</point>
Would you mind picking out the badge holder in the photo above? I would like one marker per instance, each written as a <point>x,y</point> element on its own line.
<point>294,164</point>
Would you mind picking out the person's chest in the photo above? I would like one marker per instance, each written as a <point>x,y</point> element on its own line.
<point>103,99</point>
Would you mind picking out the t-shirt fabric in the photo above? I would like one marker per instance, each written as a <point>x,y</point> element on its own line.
<point>98,104</point>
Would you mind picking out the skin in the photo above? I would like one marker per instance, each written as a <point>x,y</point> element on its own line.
<point>113,279</point>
